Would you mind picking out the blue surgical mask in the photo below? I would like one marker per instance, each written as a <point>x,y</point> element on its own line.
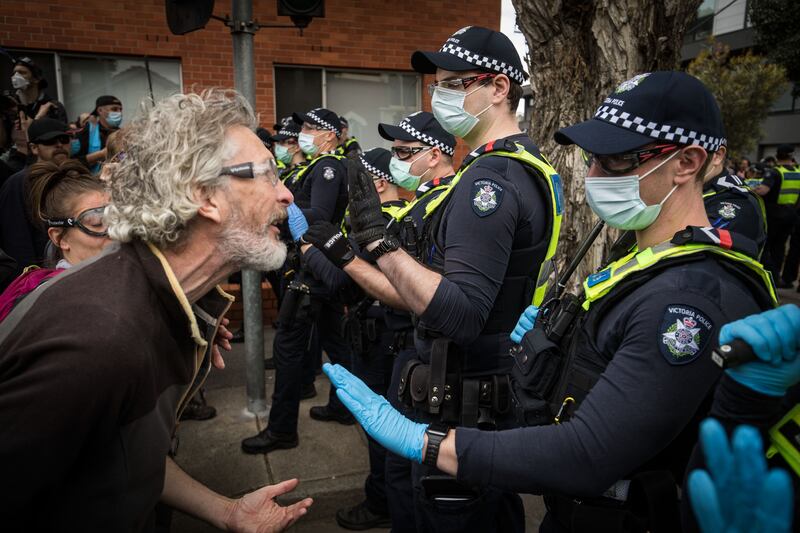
<point>283,154</point>
<point>306,142</point>
<point>74,147</point>
<point>114,118</point>
<point>448,108</point>
<point>401,173</point>
<point>616,200</point>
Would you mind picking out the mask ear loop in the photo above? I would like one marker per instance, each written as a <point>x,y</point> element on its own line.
<point>662,202</point>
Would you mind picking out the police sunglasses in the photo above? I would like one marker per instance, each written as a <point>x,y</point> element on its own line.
<point>250,170</point>
<point>460,83</point>
<point>91,222</point>
<point>624,163</point>
<point>404,152</point>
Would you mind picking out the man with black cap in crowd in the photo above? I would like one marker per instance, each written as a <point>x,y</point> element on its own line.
<point>780,188</point>
<point>348,146</point>
<point>483,253</point>
<point>19,237</point>
<point>29,82</point>
<point>638,375</point>
<point>422,161</point>
<point>106,119</point>
<point>310,315</point>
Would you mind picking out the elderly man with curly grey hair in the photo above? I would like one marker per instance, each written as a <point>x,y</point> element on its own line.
<point>97,364</point>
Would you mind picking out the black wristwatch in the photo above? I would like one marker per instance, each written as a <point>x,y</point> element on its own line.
<point>388,244</point>
<point>436,433</point>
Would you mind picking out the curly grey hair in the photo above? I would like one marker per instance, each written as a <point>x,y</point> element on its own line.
<point>176,149</point>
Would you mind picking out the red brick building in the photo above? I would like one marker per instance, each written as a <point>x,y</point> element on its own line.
<point>97,47</point>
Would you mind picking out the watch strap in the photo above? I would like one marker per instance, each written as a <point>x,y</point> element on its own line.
<point>436,434</point>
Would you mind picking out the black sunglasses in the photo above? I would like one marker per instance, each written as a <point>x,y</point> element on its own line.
<point>61,139</point>
<point>624,163</point>
<point>404,152</point>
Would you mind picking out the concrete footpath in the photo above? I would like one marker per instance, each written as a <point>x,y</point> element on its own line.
<point>331,460</point>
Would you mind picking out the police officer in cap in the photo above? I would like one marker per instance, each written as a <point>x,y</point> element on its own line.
<point>781,190</point>
<point>640,375</point>
<point>287,149</point>
<point>312,320</point>
<point>485,256</point>
<point>348,146</point>
<point>368,326</point>
<point>421,161</point>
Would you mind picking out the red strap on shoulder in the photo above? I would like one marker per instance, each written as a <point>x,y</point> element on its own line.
<point>725,239</point>
<point>489,147</point>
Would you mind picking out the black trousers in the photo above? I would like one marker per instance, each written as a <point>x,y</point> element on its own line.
<point>294,352</point>
<point>375,369</point>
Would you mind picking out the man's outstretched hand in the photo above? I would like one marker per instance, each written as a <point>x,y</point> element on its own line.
<point>366,218</point>
<point>258,512</point>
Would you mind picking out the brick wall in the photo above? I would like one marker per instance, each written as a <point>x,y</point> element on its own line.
<point>369,34</point>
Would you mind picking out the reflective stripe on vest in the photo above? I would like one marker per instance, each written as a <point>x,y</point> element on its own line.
<point>390,211</point>
<point>779,443</point>
<point>299,176</point>
<point>598,285</point>
<point>556,202</point>
<point>402,213</point>
<point>790,185</point>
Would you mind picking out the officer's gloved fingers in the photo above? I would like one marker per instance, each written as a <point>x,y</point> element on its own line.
<point>355,407</point>
<point>703,495</point>
<point>341,378</point>
<point>719,457</point>
<point>531,312</point>
<point>293,210</point>
<point>750,470</point>
<point>744,330</point>
<point>786,322</point>
<point>773,512</point>
<point>517,334</point>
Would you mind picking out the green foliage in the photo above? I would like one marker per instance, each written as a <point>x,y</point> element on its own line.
<point>775,23</point>
<point>745,87</point>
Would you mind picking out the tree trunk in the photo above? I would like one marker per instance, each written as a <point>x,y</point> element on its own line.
<point>579,51</point>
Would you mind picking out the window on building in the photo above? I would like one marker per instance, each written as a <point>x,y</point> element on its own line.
<point>703,25</point>
<point>365,98</point>
<point>77,80</point>
<point>789,101</point>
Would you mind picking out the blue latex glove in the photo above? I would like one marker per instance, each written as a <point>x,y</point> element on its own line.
<point>298,225</point>
<point>775,338</point>
<point>379,419</point>
<point>739,495</point>
<point>525,323</point>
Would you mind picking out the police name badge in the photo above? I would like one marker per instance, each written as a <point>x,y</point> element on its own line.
<point>728,211</point>
<point>486,197</point>
<point>328,173</point>
<point>685,332</point>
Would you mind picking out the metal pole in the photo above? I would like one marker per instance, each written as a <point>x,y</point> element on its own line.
<point>242,30</point>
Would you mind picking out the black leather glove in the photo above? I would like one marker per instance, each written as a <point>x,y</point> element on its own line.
<point>366,218</point>
<point>330,240</point>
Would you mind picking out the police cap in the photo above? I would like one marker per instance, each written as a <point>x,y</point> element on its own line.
<point>784,149</point>
<point>473,48</point>
<point>667,106</point>
<point>376,161</point>
<point>420,126</point>
<point>289,129</point>
<point>324,118</point>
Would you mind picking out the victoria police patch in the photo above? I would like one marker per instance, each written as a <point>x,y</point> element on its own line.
<point>685,332</point>
<point>728,211</point>
<point>328,173</point>
<point>486,197</point>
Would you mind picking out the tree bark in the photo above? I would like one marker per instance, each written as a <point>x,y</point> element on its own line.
<point>579,51</point>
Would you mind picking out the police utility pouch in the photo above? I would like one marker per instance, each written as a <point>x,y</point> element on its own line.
<point>534,376</point>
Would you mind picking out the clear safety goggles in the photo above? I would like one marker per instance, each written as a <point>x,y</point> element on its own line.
<point>91,222</point>
<point>250,170</point>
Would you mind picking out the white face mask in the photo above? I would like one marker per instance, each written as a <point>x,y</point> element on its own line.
<point>307,145</point>
<point>448,108</point>
<point>616,200</point>
<point>19,82</point>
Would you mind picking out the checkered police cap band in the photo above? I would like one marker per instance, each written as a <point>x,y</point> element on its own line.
<point>323,123</point>
<point>375,171</point>
<point>485,62</point>
<point>288,133</point>
<point>427,139</point>
<point>665,132</point>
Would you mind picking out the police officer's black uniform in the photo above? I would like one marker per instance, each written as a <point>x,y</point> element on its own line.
<point>782,217</point>
<point>320,191</point>
<point>731,205</point>
<point>350,147</point>
<point>638,375</point>
<point>488,236</point>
